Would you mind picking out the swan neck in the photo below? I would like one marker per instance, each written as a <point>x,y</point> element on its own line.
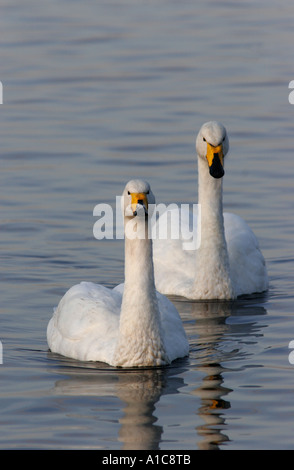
<point>140,340</point>
<point>213,270</point>
<point>210,192</point>
<point>139,261</point>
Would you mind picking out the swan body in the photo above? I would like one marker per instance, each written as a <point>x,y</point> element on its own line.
<point>227,262</point>
<point>131,325</point>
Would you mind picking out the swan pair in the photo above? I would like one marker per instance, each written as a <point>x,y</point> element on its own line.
<point>134,325</point>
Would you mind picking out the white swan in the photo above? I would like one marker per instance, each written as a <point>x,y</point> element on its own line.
<point>132,324</point>
<point>228,262</point>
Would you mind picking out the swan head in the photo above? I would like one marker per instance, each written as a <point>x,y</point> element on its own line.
<point>212,144</point>
<point>137,199</point>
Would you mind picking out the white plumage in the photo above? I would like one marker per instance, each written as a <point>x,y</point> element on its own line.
<point>130,325</point>
<point>227,262</point>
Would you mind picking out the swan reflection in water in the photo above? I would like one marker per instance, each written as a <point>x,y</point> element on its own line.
<point>216,331</point>
<point>138,389</point>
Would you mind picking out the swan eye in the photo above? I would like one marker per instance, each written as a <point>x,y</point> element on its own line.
<point>224,139</point>
<point>129,193</point>
<point>204,140</point>
<point>147,192</point>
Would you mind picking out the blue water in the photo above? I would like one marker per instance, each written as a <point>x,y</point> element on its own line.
<point>93,95</point>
